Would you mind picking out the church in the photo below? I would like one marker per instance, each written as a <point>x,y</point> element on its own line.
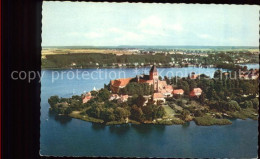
<point>160,86</point>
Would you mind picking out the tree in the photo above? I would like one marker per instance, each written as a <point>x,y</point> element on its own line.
<point>181,102</point>
<point>110,104</point>
<point>160,112</point>
<point>202,98</point>
<point>64,100</point>
<point>233,106</point>
<point>203,76</point>
<point>53,100</point>
<point>185,86</point>
<point>107,114</point>
<point>94,93</point>
<point>198,113</point>
<point>121,113</point>
<point>140,100</point>
<point>103,95</point>
<point>248,104</point>
<point>247,87</point>
<point>94,111</point>
<point>75,104</point>
<point>76,97</point>
<point>255,102</point>
<point>192,84</point>
<point>217,74</point>
<point>136,113</point>
<point>167,80</point>
<point>184,114</point>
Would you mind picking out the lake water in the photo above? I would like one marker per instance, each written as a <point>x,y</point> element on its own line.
<point>63,136</point>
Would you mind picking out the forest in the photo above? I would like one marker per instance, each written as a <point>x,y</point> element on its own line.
<point>95,60</point>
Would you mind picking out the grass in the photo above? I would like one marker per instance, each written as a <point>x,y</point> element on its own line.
<point>77,115</point>
<point>177,121</point>
<point>115,122</point>
<point>208,120</point>
<point>164,122</point>
<point>169,111</point>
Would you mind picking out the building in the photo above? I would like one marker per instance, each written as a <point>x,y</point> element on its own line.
<point>151,79</point>
<point>123,98</point>
<point>194,76</point>
<point>87,97</point>
<point>115,85</point>
<point>250,74</point>
<point>178,92</point>
<point>158,97</point>
<point>196,92</point>
<point>114,97</point>
<point>159,86</point>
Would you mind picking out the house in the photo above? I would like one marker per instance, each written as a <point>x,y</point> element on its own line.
<point>196,92</point>
<point>158,97</point>
<point>226,73</point>
<point>194,76</point>
<point>253,76</point>
<point>86,98</point>
<point>119,83</point>
<point>166,90</point>
<point>178,92</point>
<point>123,98</point>
<point>114,96</point>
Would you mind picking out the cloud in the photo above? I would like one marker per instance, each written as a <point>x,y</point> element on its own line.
<point>152,21</point>
<point>153,32</point>
<point>204,36</point>
<point>94,35</point>
<point>157,26</point>
<point>129,37</point>
<point>73,34</point>
<point>116,30</point>
<point>176,27</point>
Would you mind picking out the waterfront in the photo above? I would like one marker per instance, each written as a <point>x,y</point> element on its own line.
<point>61,136</point>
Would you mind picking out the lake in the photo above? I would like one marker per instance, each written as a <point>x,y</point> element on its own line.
<point>64,136</point>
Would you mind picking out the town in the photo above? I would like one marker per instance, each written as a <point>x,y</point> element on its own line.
<point>160,88</point>
<point>144,57</point>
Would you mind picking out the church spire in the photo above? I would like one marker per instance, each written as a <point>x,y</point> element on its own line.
<point>153,75</point>
<point>153,69</point>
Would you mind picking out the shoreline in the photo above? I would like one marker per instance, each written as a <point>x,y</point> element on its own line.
<point>228,121</point>
<point>116,67</point>
<point>199,121</point>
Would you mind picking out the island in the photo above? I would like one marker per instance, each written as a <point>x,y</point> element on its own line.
<point>151,99</point>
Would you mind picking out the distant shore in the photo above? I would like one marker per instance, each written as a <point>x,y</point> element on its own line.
<point>146,66</point>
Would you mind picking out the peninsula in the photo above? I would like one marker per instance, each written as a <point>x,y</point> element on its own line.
<point>151,99</point>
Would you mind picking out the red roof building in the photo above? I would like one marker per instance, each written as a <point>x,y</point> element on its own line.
<point>87,97</point>
<point>158,97</point>
<point>196,92</point>
<point>119,83</point>
<point>123,98</point>
<point>178,92</point>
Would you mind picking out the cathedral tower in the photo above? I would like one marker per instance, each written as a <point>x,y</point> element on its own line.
<point>153,75</point>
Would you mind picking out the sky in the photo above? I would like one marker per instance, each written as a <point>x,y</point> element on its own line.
<point>114,24</point>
